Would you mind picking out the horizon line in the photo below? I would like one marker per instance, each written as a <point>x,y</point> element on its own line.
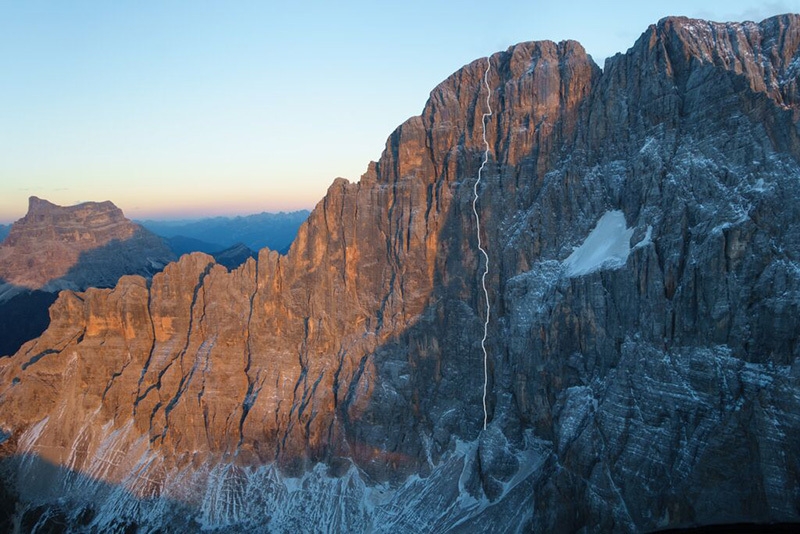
<point>171,215</point>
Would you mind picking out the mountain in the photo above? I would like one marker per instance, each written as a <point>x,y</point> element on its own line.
<point>642,224</point>
<point>181,245</point>
<point>4,229</point>
<point>75,247</point>
<point>273,230</point>
<point>233,257</point>
<point>87,245</point>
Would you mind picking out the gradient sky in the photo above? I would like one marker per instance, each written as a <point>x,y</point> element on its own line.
<point>178,109</point>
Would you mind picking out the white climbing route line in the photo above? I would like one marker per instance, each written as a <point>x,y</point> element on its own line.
<point>480,245</point>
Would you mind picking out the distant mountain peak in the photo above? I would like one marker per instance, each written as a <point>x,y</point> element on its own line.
<point>45,248</point>
<point>39,204</point>
<point>256,231</point>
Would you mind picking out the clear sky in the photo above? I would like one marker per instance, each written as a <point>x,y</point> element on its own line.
<point>189,108</point>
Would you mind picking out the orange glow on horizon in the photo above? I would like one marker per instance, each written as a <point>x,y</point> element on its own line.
<point>186,207</point>
<point>208,209</point>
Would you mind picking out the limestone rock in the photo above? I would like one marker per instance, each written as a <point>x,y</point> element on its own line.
<point>342,384</point>
<point>75,247</point>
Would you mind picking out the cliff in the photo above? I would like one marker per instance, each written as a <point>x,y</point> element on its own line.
<point>642,224</point>
<point>75,247</point>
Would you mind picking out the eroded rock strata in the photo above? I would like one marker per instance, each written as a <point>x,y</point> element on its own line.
<point>74,247</point>
<point>341,384</point>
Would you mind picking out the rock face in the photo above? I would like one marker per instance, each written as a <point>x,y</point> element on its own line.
<point>647,380</point>
<point>76,247</point>
<point>87,245</point>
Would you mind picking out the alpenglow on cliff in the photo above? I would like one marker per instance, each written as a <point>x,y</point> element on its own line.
<point>644,227</point>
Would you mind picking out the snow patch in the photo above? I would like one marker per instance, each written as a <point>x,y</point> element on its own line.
<point>607,246</point>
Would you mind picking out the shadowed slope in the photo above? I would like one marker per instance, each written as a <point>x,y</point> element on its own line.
<point>620,398</point>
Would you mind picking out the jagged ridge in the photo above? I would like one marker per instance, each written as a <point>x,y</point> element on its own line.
<point>620,399</point>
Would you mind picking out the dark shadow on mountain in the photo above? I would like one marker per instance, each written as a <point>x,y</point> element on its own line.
<point>738,528</point>
<point>233,257</point>
<point>180,245</point>
<point>23,317</point>
<point>441,394</point>
<point>430,375</point>
<point>54,499</point>
<point>273,230</point>
<point>144,254</point>
<point>230,257</point>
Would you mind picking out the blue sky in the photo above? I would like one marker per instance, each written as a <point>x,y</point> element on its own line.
<point>175,109</point>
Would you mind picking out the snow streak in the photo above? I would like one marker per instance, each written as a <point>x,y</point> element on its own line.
<point>480,247</point>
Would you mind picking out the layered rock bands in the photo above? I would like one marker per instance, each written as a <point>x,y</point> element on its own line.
<point>341,384</point>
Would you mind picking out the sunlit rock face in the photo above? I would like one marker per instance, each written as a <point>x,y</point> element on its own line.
<point>75,247</point>
<point>643,226</point>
